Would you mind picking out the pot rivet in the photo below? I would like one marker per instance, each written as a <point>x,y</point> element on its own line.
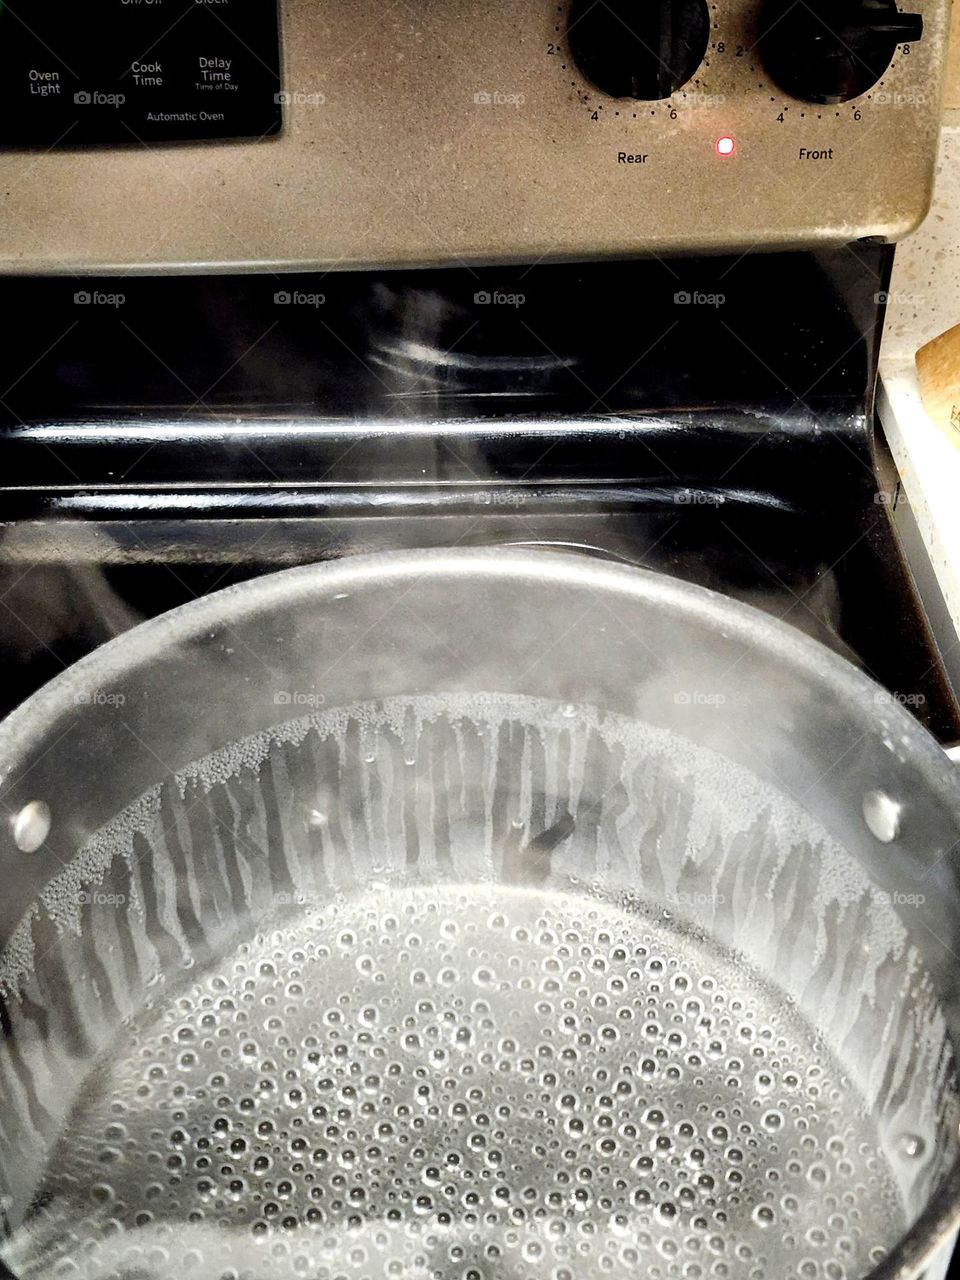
<point>911,1145</point>
<point>31,826</point>
<point>882,815</point>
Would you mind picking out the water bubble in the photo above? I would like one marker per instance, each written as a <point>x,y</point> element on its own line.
<point>911,1145</point>
<point>461,1084</point>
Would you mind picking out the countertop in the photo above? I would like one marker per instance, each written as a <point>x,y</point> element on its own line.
<point>924,300</point>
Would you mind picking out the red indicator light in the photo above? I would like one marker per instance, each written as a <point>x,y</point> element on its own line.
<point>726,146</point>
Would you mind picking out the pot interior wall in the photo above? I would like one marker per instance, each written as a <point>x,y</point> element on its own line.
<point>694,934</point>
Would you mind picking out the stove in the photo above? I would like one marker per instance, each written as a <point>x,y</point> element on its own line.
<point>290,280</point>
<point>710,418</point>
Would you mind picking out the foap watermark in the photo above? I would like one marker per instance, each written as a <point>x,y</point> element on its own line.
<point>499,498</point>
<point>95,298</point>
<point>903,98</point>
<point>296,298</point>
<point>296,698</point>
<point>96,98</point>
<point>890,698</point>
<point>899,298</point>
<point>697,898</point>
<point>497,98</point>
<point>299,98</point>
<point>300,898</point>
<point>694,298</point>
<point>698,698</point>
<point>497,298</point>
<point>704,100</point>
<point>99,698</point>
<point>891,497</point>
<point>698,498</point>
<point>897,899</point>
<point>100,898</point>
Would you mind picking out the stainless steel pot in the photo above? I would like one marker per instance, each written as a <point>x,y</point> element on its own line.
<point>540,730</point>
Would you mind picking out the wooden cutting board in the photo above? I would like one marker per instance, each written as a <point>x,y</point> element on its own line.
<point>952,99</point>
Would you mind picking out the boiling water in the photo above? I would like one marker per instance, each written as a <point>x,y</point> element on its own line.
<point>467,1083</point>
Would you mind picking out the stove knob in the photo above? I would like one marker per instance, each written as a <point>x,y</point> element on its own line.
<point>638,48</point>
<point>832,50</point>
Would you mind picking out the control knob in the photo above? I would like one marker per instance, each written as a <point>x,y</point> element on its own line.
<point>642,49</point>
<point>832,50</point>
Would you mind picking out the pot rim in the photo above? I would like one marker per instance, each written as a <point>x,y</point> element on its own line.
<point>321,580</point>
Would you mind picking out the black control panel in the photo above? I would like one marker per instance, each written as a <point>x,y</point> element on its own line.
<point>82,72</point>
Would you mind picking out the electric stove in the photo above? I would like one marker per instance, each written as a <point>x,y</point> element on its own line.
<point>292,280</point>
<point>706,417</point>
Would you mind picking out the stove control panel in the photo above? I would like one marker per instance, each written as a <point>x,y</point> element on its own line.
<point>137,71</point>
<point>217,135</point>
